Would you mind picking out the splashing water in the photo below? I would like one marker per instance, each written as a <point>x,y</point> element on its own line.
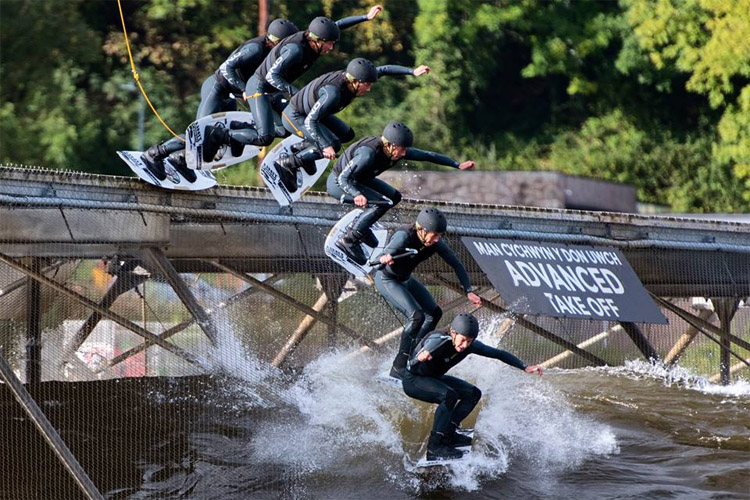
<point>346,420</point>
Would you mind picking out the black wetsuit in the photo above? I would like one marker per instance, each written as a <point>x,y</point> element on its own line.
<point>286,62</point>
<point>408,295</point>
<point>427,380</point>
<point>355,173</point>
<point>230,78</point>
<point>310,113</point>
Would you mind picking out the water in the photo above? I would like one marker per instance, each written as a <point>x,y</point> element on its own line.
<point>334,432</point>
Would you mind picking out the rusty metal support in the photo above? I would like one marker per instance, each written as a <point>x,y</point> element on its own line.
<point>125,281</point>
<point>640,340</point>
<point>705,327</point>
<point>333,286</point>
<point>181,326</point>
<point>295,303</point>
<point>533,327</point>
<point>165,268</point>
<point>33,327</point>
<point>10,287</point>
<point>104,312</point>
<point>48,431</point>
<point>725,309</point>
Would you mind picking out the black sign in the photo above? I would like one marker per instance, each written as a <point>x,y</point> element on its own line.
<point>571,281</point>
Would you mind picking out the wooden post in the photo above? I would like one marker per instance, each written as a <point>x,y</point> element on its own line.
<point>685,340</point>
<point>299,334</point>
<point>586,343</point>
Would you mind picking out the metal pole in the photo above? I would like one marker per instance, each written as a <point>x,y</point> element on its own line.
<point>48,431</point>
<point>33,328</point>
<point>640,340</point>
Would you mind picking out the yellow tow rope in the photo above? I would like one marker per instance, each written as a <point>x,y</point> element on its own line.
<point>137,78</point>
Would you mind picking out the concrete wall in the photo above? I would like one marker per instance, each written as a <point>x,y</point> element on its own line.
<point>536,189</point>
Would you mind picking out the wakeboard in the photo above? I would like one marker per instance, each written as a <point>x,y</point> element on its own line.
<point>272,180</point>
<point>174,180</point>
<point>195,134</point>
<point>335,253</point>
<point>423,463</point>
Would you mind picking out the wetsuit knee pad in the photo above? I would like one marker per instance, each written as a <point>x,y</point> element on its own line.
<point>348,136</point>
<point>396,198</point>
<point>264,139</point>
<point>451,398</point>
<point>436,314</point>
<point>417,318</point>
<point>476,395</point>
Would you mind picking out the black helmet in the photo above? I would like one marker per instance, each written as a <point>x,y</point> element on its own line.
<point>280,29</point>
<point>322,28</point>
<point>466,325</point>
<point>433,220</point>
<point>362,70</point>
<point>398,134</point>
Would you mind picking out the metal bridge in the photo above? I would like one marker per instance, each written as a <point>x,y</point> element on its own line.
<point>96,216</point>
<point>48,218</point>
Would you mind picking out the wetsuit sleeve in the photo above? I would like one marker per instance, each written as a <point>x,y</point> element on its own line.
<point>289,56</point>
<point>348,22</point>
<point>397,243</point>
<point>481,349</point>
<point>326,105</point>
<point>422,155</point>
<point>448,256</point>
<point>250,55</point>
<point>394,70</point>
<point>358,164</point>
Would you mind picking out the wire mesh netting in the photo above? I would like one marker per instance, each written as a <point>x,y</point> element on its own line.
<point>160,343</point>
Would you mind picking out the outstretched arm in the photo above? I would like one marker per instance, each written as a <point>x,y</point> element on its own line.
<point>482,349</point>
<point>417,154</point>
<point>450,258</point>
<point>348,22</point>
<point>396,70</point>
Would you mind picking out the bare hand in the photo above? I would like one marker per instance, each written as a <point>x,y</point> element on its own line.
<point>467,165</point>
<point>474,299</point>
<point>374,11</point>
<point>424,355</point>
<point>421,70</point>
<point>534,369</point>
<point>386,259</point>
<point>360,200</point>
<point>329,153</point>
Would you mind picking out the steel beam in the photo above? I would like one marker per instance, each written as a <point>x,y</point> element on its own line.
<point>49,433</point>
<point>165,268</point>
<point>297,304</point>
<point>104,312</point>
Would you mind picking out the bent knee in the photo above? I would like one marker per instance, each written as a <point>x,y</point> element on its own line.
<point>265,139</point>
